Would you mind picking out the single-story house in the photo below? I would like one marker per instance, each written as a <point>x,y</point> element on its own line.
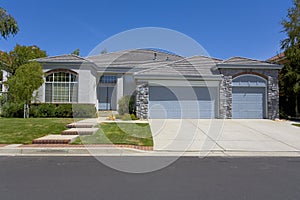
<point>165,85</point>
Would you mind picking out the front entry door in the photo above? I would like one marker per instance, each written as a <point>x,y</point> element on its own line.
<point>105,97</point>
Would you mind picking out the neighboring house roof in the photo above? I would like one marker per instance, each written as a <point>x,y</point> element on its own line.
<point>67,58</point>
<point>279,58</point>
<point>240,62</point>
<point>188,67</point>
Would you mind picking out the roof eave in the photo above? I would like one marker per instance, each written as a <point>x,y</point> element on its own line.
<point>176,77</point>
<point>243,66</point>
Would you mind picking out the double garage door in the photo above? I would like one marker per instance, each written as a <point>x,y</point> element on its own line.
<point>182,102</point>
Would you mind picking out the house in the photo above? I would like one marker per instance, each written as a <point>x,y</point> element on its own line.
<point>3,79</point>
<point>165,85</point>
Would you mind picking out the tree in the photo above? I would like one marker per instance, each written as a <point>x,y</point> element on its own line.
<point>291,45</point>
<point>76,52</point>
<point>20,55</point>
<point>104,51</point>
<point>27,79</point>
<point>8,25</point>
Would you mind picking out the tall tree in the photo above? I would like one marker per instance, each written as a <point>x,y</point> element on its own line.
<point>27,79</point>
<point>20,55</point>
<point>76,52</point>
<point>291,46</point>
<point>8,25</point>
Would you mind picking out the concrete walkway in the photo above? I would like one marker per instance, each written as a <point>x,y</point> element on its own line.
<point>225,135</point>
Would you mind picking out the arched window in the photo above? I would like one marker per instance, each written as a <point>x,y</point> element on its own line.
<point>61,87</point>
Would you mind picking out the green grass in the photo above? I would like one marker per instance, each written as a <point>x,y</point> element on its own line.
<point>119,133</point>
<point>297,125</point>
<point>23,131</point>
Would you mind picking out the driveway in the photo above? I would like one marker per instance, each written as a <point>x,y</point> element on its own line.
<point>224,135</point>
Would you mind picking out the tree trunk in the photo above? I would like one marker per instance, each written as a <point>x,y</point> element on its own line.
<point>296,106</point>
<point>26,110</point>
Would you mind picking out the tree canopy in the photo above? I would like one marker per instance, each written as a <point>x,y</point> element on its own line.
<point>290,74</point>
<point>20,55</point>
<point>76,52</point>
<point>27,79</point>
<point>8,25</point>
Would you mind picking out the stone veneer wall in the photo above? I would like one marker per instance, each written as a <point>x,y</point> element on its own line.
<point>272,90</point>
<point>226,98</point>
<point>142,100</point>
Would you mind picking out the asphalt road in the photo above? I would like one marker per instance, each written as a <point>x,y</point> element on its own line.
<point>55,178</point>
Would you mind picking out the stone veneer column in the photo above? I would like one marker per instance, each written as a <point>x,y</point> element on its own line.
<point>142,100</point>
<point>273,98</point>
<point>226,98</point>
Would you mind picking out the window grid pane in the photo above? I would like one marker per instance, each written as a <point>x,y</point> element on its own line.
<point>61,87</point>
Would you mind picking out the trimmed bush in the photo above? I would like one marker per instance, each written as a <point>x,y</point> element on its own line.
<point>62,110</point>
<point>12,110</point>
<point>127,105</point>
<point>42,110</point>
<point>84,110</point>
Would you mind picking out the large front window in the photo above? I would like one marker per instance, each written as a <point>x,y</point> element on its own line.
<point>61,87</point>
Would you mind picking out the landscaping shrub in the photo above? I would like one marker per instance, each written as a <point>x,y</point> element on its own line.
<point>126,117</point>
<point>127,105</point>
<point>12,110</point>
<point>84,110</point>
<point>42,110</point>
<point>62,110</point>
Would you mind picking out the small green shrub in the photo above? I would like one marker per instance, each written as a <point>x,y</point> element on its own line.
<point>126,117</point>
<point>43,110</point>
<point>64,110</point>
<point>84,110</point>
<point>133,117</point>
<point>12,110</point>
<point>127,105</point>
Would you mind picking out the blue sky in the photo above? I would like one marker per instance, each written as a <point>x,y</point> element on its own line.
<point>225,28</point>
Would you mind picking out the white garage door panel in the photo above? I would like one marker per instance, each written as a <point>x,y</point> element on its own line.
<point>176,103</point>
<point>248,103</point>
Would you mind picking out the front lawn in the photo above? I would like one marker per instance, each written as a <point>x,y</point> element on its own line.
<point>297,125</point>
<point>119,133</point>
<point>23,131</point>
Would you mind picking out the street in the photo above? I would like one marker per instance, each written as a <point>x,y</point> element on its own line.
<point>55,178</point>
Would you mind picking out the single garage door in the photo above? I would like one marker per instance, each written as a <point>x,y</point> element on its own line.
<point>248,98</point>
<point>182,102</point>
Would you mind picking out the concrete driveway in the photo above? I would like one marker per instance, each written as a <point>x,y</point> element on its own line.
<point>224,135</point>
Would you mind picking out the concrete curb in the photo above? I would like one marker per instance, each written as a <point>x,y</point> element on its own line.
<point>113,151</point>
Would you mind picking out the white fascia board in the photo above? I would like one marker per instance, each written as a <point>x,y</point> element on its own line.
<point>164,77</point>
<point>238,66</point>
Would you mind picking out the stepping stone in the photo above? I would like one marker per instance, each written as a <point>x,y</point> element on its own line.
<point>55,139</point>
<point>81,125</point>
<point>80,131</point>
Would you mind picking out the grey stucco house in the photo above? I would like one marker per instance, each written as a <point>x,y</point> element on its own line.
<point>165,85</point>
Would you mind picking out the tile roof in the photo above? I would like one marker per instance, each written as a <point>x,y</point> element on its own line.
<point>244,61</point>
<point>132,58</point>
<point>193,66</point>
<point>61,59</point>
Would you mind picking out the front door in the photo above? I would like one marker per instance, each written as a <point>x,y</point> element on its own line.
<point>105,97</point>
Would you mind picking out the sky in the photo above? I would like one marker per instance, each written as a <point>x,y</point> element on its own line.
<point>224,28</point>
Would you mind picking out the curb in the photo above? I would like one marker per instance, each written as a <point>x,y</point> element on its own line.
<point>124,151</point>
